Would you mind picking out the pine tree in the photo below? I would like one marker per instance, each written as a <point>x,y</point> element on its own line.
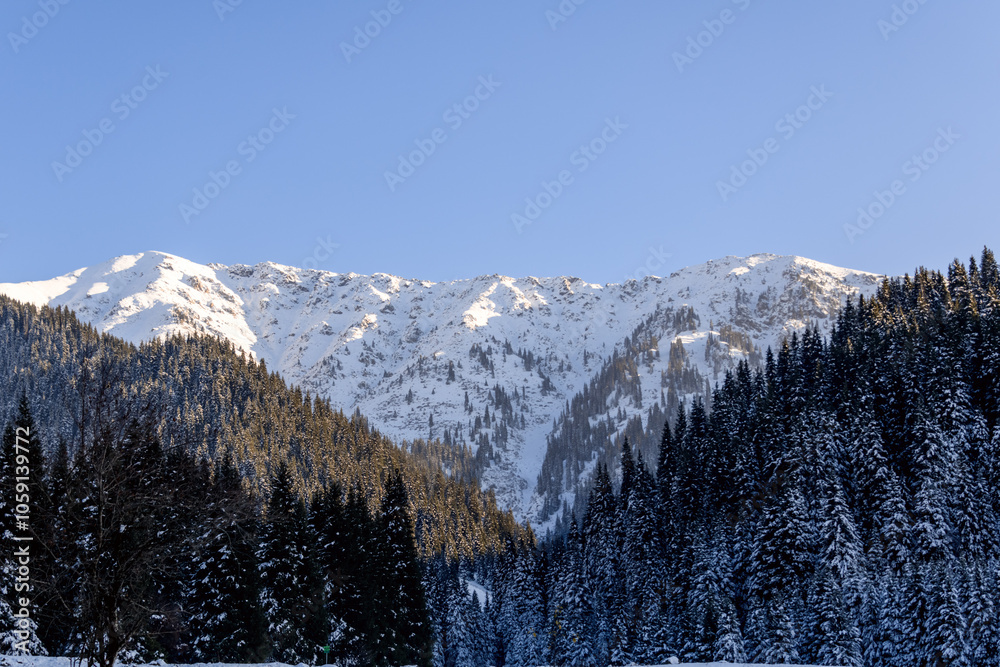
<point>781,552</point>
<point>55,618</point>
<point>291,586</point>
<point>981,612</point>
<point>404,632</point>
<point>226,620</point>
<point>713,632</point>
<point>643,566</point>
<point>935,459</point>
<point>131,524</point>
<point>524,618</point>
<point>601,562</point>
<point>466,628</point>
<point>350,548</point>
<point>884,628</point>
<point>772,633</point>
<point>834,638</point>
<point>572,600</point>
<point>944,641</point>
<point>343,531</point>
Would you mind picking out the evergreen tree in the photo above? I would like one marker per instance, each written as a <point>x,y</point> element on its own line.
<point>643,566</point>
<point>982,632</point>
<point>131,523</point>
<point>524,618</point>
<point>403,625</point>
<point>343,532</point>
<point>291,586</point>
<point>834,638</point>
<point>935,460</point>
<point>714,632</point>
<point>55,617</point>
<point>944,640</point>
<point>466,629</point>
<point>572,600</point>
<point>226,620</point>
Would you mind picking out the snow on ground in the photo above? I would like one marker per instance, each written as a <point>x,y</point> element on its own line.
<point>481,593</point>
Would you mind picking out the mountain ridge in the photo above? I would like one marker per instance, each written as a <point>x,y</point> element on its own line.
<point>489,361</point>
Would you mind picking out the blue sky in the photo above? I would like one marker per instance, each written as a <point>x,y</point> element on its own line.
<point>649,135</point>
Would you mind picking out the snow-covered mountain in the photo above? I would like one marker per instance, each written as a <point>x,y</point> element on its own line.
<point>492,361</point>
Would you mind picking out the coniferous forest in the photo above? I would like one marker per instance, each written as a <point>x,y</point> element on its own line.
<point>837,505</point>
<point>186,503</point>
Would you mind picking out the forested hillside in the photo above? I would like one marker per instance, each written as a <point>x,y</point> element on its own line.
<point>586,432</point>
<point>185,502</point>
<point>837,506</point>
<point>501,365</point>
<point>203,396</point>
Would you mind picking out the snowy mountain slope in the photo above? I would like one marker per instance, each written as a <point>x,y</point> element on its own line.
<point>490,361</point>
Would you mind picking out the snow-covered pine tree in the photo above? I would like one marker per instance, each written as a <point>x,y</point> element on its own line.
<point>479,631</point>
<point>525,614</point>
<point>981,595</point>
<point>291,586</point>
<point>344,531</point>
<point>572,604</point>
<point>944,639</point>
<point>935,459</point>
<point>601,561</point>
<point>226,622</point>
<point>465,628</point>
<point>712,631</point>
<point>780,564</point>
<point>644,567</point>
<point>882,621</point>
<point>404,626</point>
<point>53,602</point>
<point>833,636</point>
<point>437,575</point>
<point>774,632</point>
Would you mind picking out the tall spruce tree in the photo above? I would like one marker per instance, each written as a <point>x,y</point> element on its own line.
<point>404,626</point>
<point>292,591</point>
<point>572,602</point>
<point>227,623</point>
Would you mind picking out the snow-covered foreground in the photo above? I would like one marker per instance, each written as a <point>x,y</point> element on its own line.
<point>37,661</point>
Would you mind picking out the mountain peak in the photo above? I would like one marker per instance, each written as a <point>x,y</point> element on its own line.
<point>405,350</point>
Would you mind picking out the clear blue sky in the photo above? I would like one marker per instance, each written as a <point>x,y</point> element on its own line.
<point>223,73</point>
